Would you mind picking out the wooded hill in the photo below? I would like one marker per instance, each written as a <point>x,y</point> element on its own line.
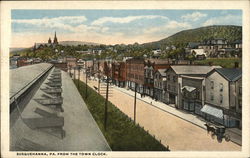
<point>182,38</point>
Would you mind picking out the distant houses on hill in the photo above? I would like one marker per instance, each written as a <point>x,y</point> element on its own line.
<point>215,47</point>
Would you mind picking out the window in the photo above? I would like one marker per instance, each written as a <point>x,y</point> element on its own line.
<point>168,87</point>
<point>221,87</point>
<point>168,77</point>
<point>212,84</point>
<point>211,96</point>
<point>174,78</point>
<point>221,98</point>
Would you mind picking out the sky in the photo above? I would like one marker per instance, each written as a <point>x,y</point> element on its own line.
<point>111,26</point>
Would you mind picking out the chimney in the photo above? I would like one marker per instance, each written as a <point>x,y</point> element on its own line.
<point>210,63</point>
<point>236,64</point>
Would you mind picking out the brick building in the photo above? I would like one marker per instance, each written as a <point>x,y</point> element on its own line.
<point>135,74</point>
<point>151,66</point>
<point>119,73</point>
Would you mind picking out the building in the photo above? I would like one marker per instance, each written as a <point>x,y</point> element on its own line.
<point>135,74</point>
<point>174,81</point>
<point>192,94</point>
<point>199,53</point>
<point>44,45</point>
<point>22,61</point>
<point>224,96</point>
<point>213,45</point>
<point>159,84</point>
<point>151,66</point>
<point>71,62</point>
<point>119,73</point>
<point>60,65</point>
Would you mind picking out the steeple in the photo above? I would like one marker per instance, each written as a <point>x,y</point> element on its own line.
<point>49,41</point>
<point>55,39</point>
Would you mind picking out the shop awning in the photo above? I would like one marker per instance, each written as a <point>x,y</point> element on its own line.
<point>212,111</point>
<point>188,88</point>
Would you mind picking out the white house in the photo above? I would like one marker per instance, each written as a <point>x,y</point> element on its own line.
<point>223,96</point>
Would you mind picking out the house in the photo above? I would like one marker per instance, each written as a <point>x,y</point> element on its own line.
<point>223,103</point>
<point>191,45</point>
<point>199,53</point>
<point>119,73</point>
<point>151,66</point>
<point>211,46</point>
<point>174,81</point>
<point>159,84</point>
<point>135,74</point>
<point>192,93</point>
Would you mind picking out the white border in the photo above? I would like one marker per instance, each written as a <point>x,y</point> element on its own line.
<point>6,7</point>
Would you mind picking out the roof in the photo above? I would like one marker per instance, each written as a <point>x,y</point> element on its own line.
<point>192,77</point>
<point>193,44</point>
<point>199,52</point>
<point>188,88</point>
<point>162,72</point>
<point>40,127</point>
<point>37,45</point>
<point>159,61</point>
<point>237,42</point>
<point>231,74</point>
<point>212,111</point>
<point>192,69</point>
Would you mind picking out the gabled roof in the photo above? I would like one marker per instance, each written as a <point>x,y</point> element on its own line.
<point>231,74</point>
<point>162,72</point>
<point>192,69</point>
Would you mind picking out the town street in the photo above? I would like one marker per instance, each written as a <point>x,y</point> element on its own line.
<point>179,134</point>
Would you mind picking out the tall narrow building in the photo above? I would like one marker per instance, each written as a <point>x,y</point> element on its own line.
<point>55,39</point>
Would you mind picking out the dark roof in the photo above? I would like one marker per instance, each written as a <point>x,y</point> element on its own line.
<point>231,74</point>
<point>237,42</point>
<point>193,44</point>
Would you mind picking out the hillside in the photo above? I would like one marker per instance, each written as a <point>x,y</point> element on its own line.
<point>228,32</point>
<point>76,43</point>
<point>16,50</point>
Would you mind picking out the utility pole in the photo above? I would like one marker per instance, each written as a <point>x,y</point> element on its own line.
<point>135,102</point>
<point>74,73</point>
<point>78,77</point>
<point>86,88</point>
<point>106,104</point>
<point>99,76</point>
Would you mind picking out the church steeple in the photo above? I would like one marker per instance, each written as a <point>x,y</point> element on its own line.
<point>55,39</point>
<point>49,41</point>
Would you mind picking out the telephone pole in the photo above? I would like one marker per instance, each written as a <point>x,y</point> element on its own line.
<point>99,76</point>
<point>86,88</point>
<point>135,102</point>
<point>74,73</point>
<point>106,105</point>
<point>78,77</point>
